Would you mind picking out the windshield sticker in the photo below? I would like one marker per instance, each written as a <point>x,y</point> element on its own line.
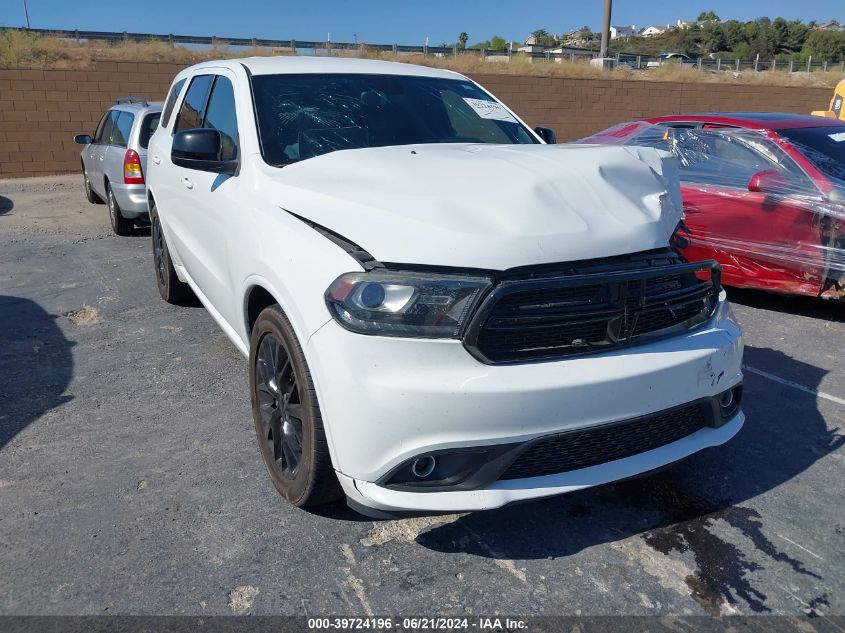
<point>489,110</point>
<point>838,137</point>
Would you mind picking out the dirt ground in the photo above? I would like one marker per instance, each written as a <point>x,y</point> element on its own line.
<point>49,205</point>
<point>131,483</point>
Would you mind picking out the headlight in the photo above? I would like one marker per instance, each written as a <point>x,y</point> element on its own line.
<point>405,303</point>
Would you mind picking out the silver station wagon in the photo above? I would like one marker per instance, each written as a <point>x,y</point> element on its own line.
<point>114,161</point>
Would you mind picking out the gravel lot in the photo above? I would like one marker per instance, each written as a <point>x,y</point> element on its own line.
<point>131,483</point>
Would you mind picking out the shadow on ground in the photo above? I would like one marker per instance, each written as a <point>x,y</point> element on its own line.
<point>675,510</point>
<point>813,307</point>
<point>36,365</point>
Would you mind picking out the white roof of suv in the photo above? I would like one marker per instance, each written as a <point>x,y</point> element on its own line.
<point>302,64</point>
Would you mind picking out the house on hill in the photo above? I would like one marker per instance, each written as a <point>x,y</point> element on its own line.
<point>622,31</point>
<point>652,30</point>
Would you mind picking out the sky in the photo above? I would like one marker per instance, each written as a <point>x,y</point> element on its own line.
<point>385,21</point>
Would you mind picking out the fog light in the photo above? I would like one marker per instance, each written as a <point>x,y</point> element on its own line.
<point>423,466</point>
<point>458,469</point>
<point>729,402</point>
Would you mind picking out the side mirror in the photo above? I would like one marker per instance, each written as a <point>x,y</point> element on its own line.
<point>547,134</point>
<point>769,181</point>
<point>83,139</point>
<point>201,149</point>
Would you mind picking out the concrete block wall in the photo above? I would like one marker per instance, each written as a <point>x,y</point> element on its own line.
<point>41,109</point>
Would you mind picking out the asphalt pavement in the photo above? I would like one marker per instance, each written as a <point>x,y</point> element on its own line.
<point>131,482</point>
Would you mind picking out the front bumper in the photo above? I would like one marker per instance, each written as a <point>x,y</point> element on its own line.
<point>132,200</point>
<point>502,493</point>
<point>385,400</point>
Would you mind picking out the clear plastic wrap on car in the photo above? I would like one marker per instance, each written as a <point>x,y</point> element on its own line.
<point>768,205</point>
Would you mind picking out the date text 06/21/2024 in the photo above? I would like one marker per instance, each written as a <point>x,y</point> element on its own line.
<point>416,623</point>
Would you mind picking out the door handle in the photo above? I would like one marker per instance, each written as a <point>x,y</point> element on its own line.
<point>188,182</point>
<point>156,160</point>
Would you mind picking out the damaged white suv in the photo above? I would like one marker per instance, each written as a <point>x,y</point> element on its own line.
<point>441,312</point>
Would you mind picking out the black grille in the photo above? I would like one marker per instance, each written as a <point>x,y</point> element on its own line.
<point>564,315</point>
<point>598,445</point>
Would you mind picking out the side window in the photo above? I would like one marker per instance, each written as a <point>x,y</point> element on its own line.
<point>171,102</point>
<point>103,129</point>
<point>104,133</point>
<point>109,138</point>
<point>122,129</point>
<point>148,126</point>
<point>729,157</point>
<point>656,136</point>
<point>220,115</point>
<point>193,107</point>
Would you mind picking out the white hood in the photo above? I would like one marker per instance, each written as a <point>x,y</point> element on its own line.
<point>488,206</point>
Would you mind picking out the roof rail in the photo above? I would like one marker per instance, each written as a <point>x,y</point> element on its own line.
<point>140,100</point>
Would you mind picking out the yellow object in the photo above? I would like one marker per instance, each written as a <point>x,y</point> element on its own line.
<point>836,111</point>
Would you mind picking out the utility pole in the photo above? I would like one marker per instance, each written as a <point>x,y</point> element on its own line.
<point>605,29</point>
<point>26,13</point>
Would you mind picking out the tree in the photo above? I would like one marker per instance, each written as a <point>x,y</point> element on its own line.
<point>825,45</point>
<point>498,43</point>
<point>714,39</point>
<point>761,45</point>
<point>734,33</point>
<point>741,50</point>
<point>462,39</point>
<point>708,16</point>
<point>586,33</point>
<point>796,35</point>
<point>780,30</point>
<point>543,38</point>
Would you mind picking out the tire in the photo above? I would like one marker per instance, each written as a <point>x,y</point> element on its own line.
<point>170,287</point>
<point>120,225</point>
<point>92,197</point>
<point>287,415</point>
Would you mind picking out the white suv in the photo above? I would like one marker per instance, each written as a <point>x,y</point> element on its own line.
<point>441,312</point>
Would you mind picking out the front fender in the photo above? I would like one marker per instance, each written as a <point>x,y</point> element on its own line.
<point>295,264</point>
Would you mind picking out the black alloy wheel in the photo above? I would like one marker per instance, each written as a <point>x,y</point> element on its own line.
<point>92,197</point>
<point>280,406</point>
<point>120,225</point>
<point>169,286</point>
<point>288,423</point>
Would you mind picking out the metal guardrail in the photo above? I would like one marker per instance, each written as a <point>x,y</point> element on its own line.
<point>567,54</point>
<point>112,36</point>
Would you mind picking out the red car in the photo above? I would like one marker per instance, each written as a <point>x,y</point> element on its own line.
<point>763,194</point>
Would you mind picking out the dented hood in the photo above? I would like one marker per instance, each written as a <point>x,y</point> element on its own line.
<point>488,206</point>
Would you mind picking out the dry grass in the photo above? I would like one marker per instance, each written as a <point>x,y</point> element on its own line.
<point>26,49</point>
<point>29,50</point>
<point>583,70</point>
<point>86,315</point>
<point>241,598</point>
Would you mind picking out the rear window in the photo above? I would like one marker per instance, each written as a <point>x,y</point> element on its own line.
<point>823,146</point>
<point>148,126</point>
